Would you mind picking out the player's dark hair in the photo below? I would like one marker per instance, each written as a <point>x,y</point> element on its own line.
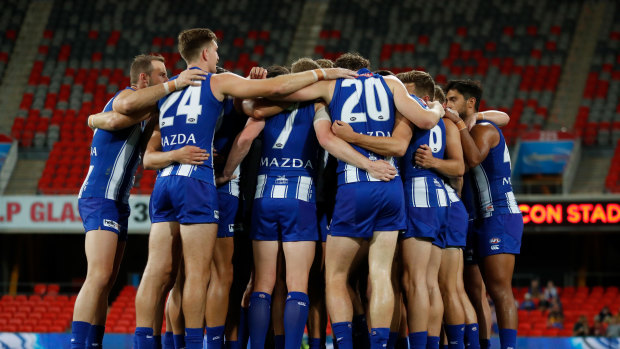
<point>325,63</point>
<point>468,88</point>
<point>353,61</point>
<point>384,72</point>
<point>142,64</point>
<point>424,83</point>
<point>304,64</point>
<point>276,70</point>
<point>220,70</point>
<point>193,41</point>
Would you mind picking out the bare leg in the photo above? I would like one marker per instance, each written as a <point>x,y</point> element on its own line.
<point>436,304</point>
<point>380,255</point>
<point>339,255</point>
<point>468,309</point>
<point>448,274</point>
<point>478,295</point>
<point>416,255</point>
<point>497,274</point>
<point>221,280</point>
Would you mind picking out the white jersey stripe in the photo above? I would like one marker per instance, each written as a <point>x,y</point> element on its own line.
<point>442,198</point>
<point>120,164</point>
<point>484,189</point>
<point>90,170</point>
<point>184,170</point>
<point>260,186</point>
<point>304,187</point>
<point>420,192</point>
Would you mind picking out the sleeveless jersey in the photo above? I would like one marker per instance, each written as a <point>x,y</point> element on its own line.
<point>491,181</point>
<point>227,128</point>
<point>188,117</point>
<point>114,157</point>
<point>367,104</point>
<point>290,155</point>
<point>435,138</point>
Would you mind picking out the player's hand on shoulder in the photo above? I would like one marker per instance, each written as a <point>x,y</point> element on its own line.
<point>424,156</point>
<point>191,155</point>
<point>382,170</point>
<point>343,130</point>
<point>338,73</point>
<point>452,115</point>
<point>258,73</point>
<point>190,77</point>
<point>435,105</point>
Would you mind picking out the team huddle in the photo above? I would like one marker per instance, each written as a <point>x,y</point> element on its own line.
<point>381,200</point>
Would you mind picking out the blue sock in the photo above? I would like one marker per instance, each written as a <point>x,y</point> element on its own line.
<point>143,338</point>
<point>507,338</point>
<point>157,342</point>
<point>455,334</point>
<point>432,342</point>
<point>95,336</point>
<point>485,344</point>
<point>259,314</point>
<point>79,333</point>
<point>215,337</point>
<point>179,341</point>
<point>295,317</point>
<point>193,338</point>
<point>391,344</point>
<point>233,344</point>
<point>472,339</point>
<point>315,343</point>
<point>168,340</point>
<point>343,334</point>
<point>242,332</point>
<point>379,337</point>
<point>278,341</point>
<point>417,340</point>
<point>360,332</point>
<point>402,343</point>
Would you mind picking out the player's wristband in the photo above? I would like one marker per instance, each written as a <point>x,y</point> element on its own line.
<point>91,122</point>
<point>461,125</point>
<point>166,88</point>
<point>319,74</point>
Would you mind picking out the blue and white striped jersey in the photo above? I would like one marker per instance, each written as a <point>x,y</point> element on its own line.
<point>114,157</point>
<point>188,117</point>
<point>367,104</point>
<point>452,195</point>
<point>289,156</point>
<point>435,138</point>
<point>424,186</point>
<point>491,180</point>
<point>228,126</point>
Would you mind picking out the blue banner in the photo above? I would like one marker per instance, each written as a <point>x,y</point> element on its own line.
<point>4,152</point>
<point>544,157</point>
<point>122,341</point>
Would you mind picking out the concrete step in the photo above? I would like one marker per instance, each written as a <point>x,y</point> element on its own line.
<point>593,169</point>
<point>25,177</point>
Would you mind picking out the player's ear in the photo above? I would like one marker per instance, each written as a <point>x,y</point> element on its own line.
<point>144,78</point>
<point>471,102</point>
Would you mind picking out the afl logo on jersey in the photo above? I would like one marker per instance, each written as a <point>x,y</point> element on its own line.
<point>353,118</point>
<point>278,145</point>
<point>495,240</point>
<point>380,117</point>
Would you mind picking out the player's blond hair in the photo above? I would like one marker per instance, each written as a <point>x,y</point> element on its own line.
<point>193,41</point>
<point>142,64</point>
<point>424,83</point>
<point>304,64</point>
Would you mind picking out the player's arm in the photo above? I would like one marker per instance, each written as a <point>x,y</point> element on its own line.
<point>277,87</point>
<point>130,102</point>
<point>155,159</point>
<point>411,109</point>
<point>240,148</point>
<point>386,146</point>
<point>452,165</point>
<point>379,169</point>
<point>261,108</point>
<point>148,131</point>
<point>114,121</point>
<point>498,117</point>
<point>456,183</point>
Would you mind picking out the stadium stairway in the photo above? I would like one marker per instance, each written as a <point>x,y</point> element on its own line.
<point>25,177</point>
<point>20,64</point>
<point>307,32</point>
<point>593,168</point>
<point>575,72</point>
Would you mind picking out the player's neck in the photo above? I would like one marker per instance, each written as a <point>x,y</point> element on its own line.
<point>469,116</point>
<point>200,65</point>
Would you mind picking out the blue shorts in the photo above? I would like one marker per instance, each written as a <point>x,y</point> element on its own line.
<point>104,214</point>
<point>456,227</point>
<point>228,206</point>
<point>498,234</point>
<point>322,221</point>
<point>183,199</point>
<point>426,223</point>
<point>365,207</point>
<point>284,220</point>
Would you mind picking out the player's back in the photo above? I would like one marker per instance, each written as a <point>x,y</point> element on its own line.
<point>434,138</point>
<point>289,156</point>
<point>367,104</point>
<point>491,180</point>
<point>228,126</point>
<point>114,157</point>
<point>189,117</point>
